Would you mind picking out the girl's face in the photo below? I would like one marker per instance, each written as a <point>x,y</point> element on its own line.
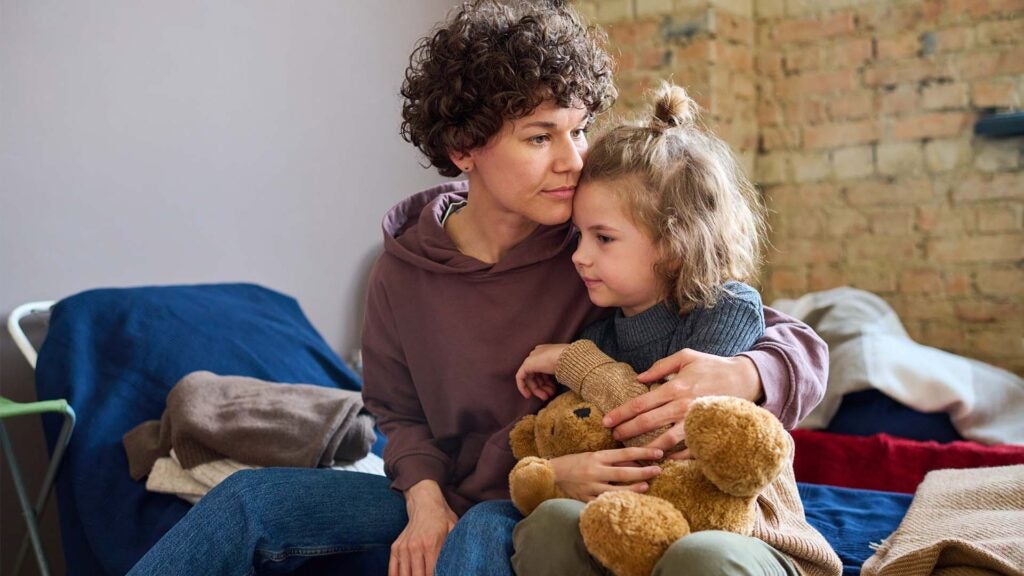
<point>615,258</point>
<point>530,168</point>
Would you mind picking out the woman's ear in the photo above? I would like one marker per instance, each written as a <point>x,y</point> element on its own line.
<point>463,160</point>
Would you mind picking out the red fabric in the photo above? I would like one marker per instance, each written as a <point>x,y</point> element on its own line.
<point>883,462</point>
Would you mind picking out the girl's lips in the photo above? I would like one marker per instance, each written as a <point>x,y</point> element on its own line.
<point>590,282</point>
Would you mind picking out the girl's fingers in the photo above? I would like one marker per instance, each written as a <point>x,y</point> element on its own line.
<point>633,453</point>
<point>681,455</point>
<point>634,474</point>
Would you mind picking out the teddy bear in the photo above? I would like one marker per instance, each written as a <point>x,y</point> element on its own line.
<point>737,450</point>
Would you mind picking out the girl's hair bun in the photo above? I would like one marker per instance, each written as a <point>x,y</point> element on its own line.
<point>673,107</point>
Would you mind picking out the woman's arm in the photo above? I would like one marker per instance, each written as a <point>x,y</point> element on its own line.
<point>786,372</point>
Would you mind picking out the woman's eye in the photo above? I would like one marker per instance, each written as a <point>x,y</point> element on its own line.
<point>579,133</point>
<point>542,139</point>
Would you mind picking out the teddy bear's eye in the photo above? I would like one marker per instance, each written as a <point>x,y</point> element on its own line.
<point>581,412</point>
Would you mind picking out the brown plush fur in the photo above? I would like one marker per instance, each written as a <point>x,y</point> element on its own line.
<point>738,449</point>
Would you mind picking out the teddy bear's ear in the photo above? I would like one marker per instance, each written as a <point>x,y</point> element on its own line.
<point>522,438</point>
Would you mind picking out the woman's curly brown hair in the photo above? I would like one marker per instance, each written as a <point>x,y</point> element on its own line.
<point>495,61</point>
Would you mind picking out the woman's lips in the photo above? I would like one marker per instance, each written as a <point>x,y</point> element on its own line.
<point>563,193</point>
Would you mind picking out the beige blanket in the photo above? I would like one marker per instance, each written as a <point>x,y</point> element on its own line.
<point>961,522</point>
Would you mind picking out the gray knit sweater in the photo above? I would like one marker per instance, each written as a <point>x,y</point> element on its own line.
<point>731,326</point>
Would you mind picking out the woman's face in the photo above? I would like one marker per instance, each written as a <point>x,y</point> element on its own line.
<point>530,168</point>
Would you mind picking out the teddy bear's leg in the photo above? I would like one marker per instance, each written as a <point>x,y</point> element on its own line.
<point>628,532</point>
<point>739,446</point>
<point>531,482</point>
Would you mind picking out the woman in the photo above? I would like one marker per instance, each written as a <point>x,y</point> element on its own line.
<point>474,275</point>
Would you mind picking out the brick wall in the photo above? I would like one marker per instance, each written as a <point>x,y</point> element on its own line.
<point>856,119</point>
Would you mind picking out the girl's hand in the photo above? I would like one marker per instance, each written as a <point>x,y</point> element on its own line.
<point>587,475</point>
<point>693,374</point>
<point>415,551</point>
<point>534,377</point>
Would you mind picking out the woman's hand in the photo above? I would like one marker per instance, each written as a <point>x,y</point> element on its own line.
<point>534,377</point>
<point>692,375</point>
<point>415,551</point>
<point>587,475</point>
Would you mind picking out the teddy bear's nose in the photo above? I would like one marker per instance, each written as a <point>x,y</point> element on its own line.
<point>581,412</point>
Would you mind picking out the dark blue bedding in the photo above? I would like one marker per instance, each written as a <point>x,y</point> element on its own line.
<point>852,519</point>
<point>114,354</point>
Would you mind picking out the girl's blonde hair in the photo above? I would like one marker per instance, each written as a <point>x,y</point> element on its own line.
<point>683,184</point>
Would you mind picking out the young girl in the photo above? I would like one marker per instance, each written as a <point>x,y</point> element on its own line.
<point>669,228</point>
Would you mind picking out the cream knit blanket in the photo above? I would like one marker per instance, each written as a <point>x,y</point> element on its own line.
<point>961,522</point>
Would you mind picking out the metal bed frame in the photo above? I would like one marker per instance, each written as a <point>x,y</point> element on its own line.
<point>10,409</point>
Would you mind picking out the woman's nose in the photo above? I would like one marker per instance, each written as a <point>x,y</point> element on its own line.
<point>570,157</point>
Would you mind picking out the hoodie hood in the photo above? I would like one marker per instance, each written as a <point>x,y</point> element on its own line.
<point>413,233</point>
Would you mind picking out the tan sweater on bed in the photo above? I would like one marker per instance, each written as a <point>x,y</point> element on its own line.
<point>780,521</point>
<point>961,522</point>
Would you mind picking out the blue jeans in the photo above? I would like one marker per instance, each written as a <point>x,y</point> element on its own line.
<point>274,520</point>
<point>481,542</point>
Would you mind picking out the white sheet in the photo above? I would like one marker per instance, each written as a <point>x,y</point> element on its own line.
<point>869,348</point>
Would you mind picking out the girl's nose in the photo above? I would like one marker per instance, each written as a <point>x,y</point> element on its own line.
<point>578,257</point>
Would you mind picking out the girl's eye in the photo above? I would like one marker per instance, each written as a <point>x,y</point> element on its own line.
<point>602,239</point>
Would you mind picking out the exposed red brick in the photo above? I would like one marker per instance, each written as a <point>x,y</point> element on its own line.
<point>789,280</point>
<point>841,134</point>
<point>735,28</point>
<point>899,193</point>
<point>805,111</point>
<point>944,96</point>
<point>978,187</point>
<point>971,65</point>
<point>994,93</point>
<point>807,29</point>
<point>1011,61</point>
<point>1000,32</point>
<point>935,125</point>
<point>780,138</point>
<point>852,106</point>
<point>899,47</point>
<point>995,248</point>
<point>623,34</point>
<point>903,99</point>
<point>803,60</point>
<point>852,53</point>
<point>921,281</point>
<point>953,39</point>
<point>769,64</point>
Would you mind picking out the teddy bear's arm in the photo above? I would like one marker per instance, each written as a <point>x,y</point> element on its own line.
<point>599,379</point>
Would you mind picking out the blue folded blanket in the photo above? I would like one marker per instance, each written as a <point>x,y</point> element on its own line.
<point>114,354</point>
<point>852,519</point>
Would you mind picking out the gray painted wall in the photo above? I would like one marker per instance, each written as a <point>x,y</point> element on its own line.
<point>195,141</point>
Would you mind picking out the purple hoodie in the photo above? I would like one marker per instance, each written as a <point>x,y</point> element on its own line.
<point>444,334</point>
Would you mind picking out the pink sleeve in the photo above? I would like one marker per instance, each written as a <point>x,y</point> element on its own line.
<point>793,363</point>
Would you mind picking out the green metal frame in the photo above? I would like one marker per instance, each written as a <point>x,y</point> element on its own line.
<point>12,409</point>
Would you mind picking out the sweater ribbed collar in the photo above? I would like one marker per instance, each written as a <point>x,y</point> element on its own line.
<point>655,323</point>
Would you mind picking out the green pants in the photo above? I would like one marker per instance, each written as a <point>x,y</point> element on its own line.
<point>548,541</point>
